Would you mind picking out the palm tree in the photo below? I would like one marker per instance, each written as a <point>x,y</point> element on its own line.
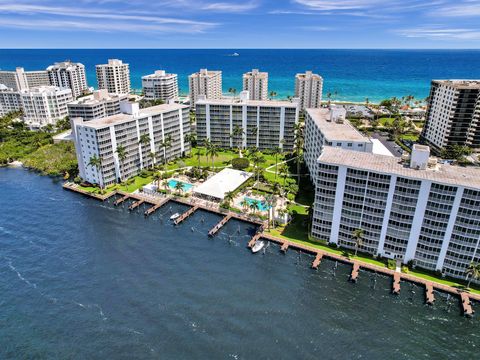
<point>272,94</point>
<point>144,140</point>
<point>237,132</point>
<point>271,201</point>
<point>276,151</point>
<point>284,172</point>
<point>156,178</point>
<point>152,157</point>
<point>122,155</point>
<point>298,147</point>
<point>212,150</point>
<point>233,91</point>
<point>229,196</point>
<point>96,162</point>
<point>257,159</point>
<point>254,206</point>
<point>472,272</point>
<point>165,144</point>
<point>357,236</point>
<point>254,132</point>
<point>165,184</point>
<point>244,204</point>
<point>199,155</point>
<point>191,138</point>
<point>179,186</point>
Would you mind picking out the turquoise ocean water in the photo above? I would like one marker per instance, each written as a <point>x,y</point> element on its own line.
<point>352,74</point>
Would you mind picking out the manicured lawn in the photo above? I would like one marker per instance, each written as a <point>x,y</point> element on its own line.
<point>412,137</point>
<point>384,121</point>
<point>427,276</point>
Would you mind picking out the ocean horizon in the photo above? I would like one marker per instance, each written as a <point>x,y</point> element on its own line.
<point>349,74</point>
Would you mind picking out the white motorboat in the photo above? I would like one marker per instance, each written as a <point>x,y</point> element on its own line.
<point>259,245</point>
<point>174,216</point>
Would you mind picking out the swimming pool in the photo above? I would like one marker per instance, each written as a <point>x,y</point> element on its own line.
<point>172,183</point>
<point>262,205</point>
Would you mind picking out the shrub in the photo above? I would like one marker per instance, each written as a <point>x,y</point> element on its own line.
<point>391,264</point>
<point>77,180</point>
<point>240,163</point>
<point>405,269</point>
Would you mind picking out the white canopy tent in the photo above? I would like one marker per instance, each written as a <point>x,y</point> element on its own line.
<point>218,185</point>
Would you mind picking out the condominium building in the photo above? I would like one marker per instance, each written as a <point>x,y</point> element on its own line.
<point>19,79</point>
<point>160,86</point>
<point>205,82</point>
<point>70,75</point>
<point>9,100</point>
<point>256,83</point>
<point>328,127</point>
<point>114,77</point>
<point>265,124</point>
<point>409,209</point>
<point>102,137</point>
<point>97,105</point>
<point>45,105</point>
<point>308,88</point>
<point>453,115</point>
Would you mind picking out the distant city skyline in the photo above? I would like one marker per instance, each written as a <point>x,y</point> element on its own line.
<point>389,24</point>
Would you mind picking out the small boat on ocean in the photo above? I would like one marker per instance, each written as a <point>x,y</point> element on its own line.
<point>174,216</point>
<point>259,245</point>
<point>234,54</point>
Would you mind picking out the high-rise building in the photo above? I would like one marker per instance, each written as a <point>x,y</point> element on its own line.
<point>413,210</point>
<point>102,137</point>
<point>328,127</point>
<point>97,105</point>
<point>69,74</point>
<point>114,77</point>
<point>205,82</point>
<point>9,100</point>
<point>19,79</point>
<point>453,115</point>
<point>160,86</point>
<point>45,105</point>
<point>308,88</point>
<point>264,124</point>
<point>256,83</point>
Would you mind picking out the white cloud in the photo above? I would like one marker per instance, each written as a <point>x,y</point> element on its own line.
<point>230,7</point>
<point>438,33</point>
<point>27,15</point>
<point>462,9</point>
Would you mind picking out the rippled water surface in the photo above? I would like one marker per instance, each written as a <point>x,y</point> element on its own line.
<point>83,279</point>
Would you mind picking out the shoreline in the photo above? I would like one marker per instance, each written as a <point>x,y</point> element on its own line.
<point>300,246</point>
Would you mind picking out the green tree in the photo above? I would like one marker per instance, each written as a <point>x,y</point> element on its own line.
<point>276,151</point>
<point>455,152</point>
<point>165,144</point>
<point>191,138</point>
<point>298,147</point>
<point>153,156</point>
<point>229,196</point>
<point>284,172</point>
<point>179,186</point>
<point>472,272</point>
<point>237,133</point>
<point>257,159</point>
<point>122,156</point>
<point>272,94</point>
<point>357,237</point>
<point>254,206</point>
<point>233,91</point>
<point>96,162</point>
<point>156,178</point>
<point>212,151</point>
<point>144,141</point>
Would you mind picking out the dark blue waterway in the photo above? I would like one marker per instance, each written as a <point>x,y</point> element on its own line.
<point>353,74</point>
<point>82,279</point>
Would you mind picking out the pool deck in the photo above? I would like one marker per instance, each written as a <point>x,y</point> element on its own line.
<point>397,277</point>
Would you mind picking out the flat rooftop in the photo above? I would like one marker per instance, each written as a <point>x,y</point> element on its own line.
<point>335,131</point>
<point>237,101</point>
<point>460,84</point>
<point>442,173</point>
<point>120,118</point>
<point>221,183</point>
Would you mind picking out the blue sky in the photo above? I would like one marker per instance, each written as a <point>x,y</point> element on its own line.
<point>240,24</point>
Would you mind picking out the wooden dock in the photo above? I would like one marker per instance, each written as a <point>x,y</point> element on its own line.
<point>316,262</point>
<point>466,304</point>
<point>219,225</point>
<point>155,207</point>
<point>284,247</point>
<point>355,271</point>
<point>429,295</point>
<point>121,200</point>
<point>254,240</point>
<point>136,204</point>
<point>396,283</point>
<point>185,215</point>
